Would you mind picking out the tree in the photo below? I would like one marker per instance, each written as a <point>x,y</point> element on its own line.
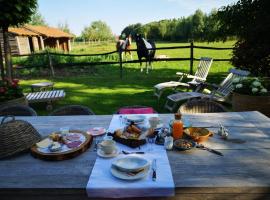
<point>37,19</point>
<point>14,13</point>
<point>249,21</point>
<point>64,27</point>
<point>98,30</point>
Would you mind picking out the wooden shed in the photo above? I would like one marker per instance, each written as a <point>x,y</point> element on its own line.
<point>29,39</point>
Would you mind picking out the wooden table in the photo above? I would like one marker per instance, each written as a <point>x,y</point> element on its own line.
<point>243,172</point>
<point>46,96</point>
<point>43,86</point>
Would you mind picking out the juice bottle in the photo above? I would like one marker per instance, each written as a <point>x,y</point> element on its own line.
<point>177,127</point>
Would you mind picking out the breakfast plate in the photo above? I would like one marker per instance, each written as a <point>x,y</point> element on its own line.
<point>96,131</point>
<point>131,164</point>
<point>128,175</point>
<point>59,146</point>
<point>135,118</point>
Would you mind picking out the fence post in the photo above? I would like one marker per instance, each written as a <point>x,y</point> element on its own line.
<point>120,62</point>
<point>191,57</point>
<point>50,63</point>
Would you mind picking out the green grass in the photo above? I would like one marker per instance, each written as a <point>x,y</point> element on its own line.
<point>104,91</point>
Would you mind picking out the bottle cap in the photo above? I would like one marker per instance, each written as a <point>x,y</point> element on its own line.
<point>177,115</point>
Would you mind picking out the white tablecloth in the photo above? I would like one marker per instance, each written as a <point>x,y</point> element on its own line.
<point>103,184</point>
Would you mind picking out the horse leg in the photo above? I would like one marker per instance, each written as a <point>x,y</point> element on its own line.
<point>146,66</point>
<point>140,59</point>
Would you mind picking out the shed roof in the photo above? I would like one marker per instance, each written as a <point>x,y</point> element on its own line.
<point>22,31</point>
<point>48,31</point>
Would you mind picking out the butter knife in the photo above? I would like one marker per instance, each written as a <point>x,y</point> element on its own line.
<point>210,150</point>
<point>154,169</point>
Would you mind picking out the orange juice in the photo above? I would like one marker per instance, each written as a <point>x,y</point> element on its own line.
<point>177,127</point>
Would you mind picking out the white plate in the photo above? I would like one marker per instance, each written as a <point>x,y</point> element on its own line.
<point>130,163</point>
<point>104,155</point>
<point>96,131</point>
<point>136,118</point>
<point>125,176</point>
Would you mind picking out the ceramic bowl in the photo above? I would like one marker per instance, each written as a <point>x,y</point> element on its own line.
<point>183,144</point>
<point>130,164</point>
<point>198,135</point>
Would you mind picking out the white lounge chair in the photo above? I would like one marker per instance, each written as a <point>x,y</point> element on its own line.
<point>199,77</point>
<point>220,93</point>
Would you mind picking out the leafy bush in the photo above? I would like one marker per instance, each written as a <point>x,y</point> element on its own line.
<point>250,86</point>
<point>249,21</point>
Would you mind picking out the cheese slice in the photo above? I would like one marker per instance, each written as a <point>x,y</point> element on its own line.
<point>44,143</point>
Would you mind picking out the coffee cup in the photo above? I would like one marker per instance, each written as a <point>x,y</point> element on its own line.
<point>107,146</point>
<point>154,121</point>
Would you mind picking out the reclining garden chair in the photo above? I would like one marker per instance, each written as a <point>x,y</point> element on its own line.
<point>219,93</point>
<point>199,77</point>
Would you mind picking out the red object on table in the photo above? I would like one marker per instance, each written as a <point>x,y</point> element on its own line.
<point>147,110</point>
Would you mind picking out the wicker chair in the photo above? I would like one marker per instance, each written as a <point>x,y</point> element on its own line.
<point>72,110</point>
<point>135,107</point>
<point>201,106</point>
<point>18,110</point>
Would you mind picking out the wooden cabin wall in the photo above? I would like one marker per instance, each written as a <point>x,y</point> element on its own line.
<point>50,42</point>
<point>12,42</point>
<point>23,44</point>
<point>64,44</point>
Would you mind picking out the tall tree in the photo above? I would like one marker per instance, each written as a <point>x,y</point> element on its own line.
<point>98,30</point>
<point>249,21</point>
<point>37,19</point>
<point>13,13</point>
<point>64,27</point>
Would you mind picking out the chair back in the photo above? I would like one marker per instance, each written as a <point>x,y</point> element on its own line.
<point>18,110</point>
<point>203,69</point>
<point>201,106</point>
<point>72,110</point>
<point>226,86</point>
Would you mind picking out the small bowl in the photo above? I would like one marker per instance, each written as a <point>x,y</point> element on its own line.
<point>179,144</point>
<point>198,135</point>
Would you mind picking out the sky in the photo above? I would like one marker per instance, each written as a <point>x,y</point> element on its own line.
<point>120,13</point>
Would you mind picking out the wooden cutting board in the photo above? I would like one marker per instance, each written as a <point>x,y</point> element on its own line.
<point>66,154</point>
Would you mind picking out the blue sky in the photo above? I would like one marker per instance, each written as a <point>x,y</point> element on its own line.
<point>120,13</point>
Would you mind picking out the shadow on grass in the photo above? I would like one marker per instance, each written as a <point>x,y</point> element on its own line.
<point>104,92</point>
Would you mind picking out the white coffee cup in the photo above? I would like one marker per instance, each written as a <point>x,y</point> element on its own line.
<point>154,121</point>
<point>107,146</point>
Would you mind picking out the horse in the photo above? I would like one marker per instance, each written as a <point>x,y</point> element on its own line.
<point>145,49</point>
<point>124,46</point>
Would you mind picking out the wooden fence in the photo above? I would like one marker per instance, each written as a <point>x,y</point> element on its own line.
<point>191,59</point>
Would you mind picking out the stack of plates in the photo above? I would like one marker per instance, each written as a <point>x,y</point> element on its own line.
<point>137,119</point>
<point>130,168</point>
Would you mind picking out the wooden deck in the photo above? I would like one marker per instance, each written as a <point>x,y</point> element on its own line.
<point>242,173</point>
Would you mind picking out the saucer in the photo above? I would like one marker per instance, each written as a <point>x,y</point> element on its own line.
<point>104,155</point>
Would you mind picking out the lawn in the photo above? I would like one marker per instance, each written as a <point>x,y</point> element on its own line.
<point>103,91</point>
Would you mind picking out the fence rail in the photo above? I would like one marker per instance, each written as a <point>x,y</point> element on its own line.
<point>121,62</point>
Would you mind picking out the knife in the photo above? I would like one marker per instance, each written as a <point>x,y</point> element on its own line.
<point>154,169</point>
<point>208,149</point>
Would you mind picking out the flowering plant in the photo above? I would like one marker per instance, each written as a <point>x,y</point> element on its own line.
<point>10,90</point>
<point>250,86</point>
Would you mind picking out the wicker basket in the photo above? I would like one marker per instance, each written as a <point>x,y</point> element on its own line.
<point>16,136</point>
<point>18,101</point>
<point>128,142</point>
